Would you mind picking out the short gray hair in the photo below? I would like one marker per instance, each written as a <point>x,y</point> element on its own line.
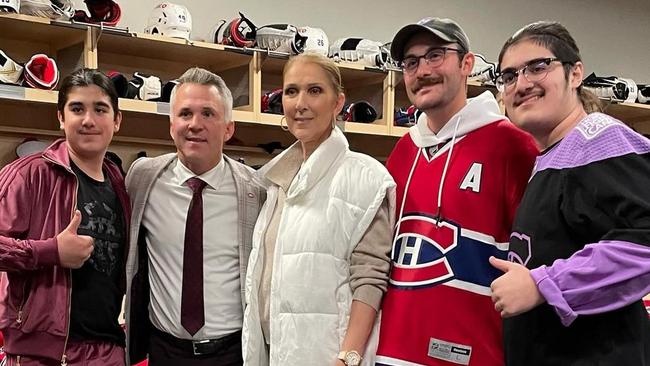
<point>197,75</point>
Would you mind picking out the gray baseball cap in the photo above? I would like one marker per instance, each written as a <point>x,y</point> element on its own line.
<point>445,29</point>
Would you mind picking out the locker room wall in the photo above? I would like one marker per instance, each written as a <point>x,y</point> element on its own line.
<point>613,35</point>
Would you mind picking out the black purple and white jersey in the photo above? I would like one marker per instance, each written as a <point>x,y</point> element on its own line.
<point>583,228</point>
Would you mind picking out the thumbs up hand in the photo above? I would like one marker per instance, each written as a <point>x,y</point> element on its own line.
<point>515,292</point>
<point>74,249</point>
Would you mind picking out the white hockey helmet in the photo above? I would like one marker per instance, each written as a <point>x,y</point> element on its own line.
<point>170,20</point>
<point>316,40</point>
<point>10,6</point>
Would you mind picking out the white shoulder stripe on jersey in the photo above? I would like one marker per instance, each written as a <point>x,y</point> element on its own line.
<point>487,239</point>
<point>468,286</point>
<point>394,361</point>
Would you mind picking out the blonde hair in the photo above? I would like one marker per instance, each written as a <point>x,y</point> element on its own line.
<point>326,64</point>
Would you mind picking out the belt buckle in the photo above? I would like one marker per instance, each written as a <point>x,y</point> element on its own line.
<point>197,344</point>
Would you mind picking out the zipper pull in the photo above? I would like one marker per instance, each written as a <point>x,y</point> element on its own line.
<point>20,317</point>
<point>63,361</point>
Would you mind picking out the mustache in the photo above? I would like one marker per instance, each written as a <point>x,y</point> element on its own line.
<point>524,96</point>
<point>89,131</point>
<point>425,81</point>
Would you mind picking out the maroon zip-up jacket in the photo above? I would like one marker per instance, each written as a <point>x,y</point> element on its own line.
<point>38,197</point>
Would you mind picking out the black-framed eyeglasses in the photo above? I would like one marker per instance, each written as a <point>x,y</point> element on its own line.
<point>434,58</point>
<point>534,71</point>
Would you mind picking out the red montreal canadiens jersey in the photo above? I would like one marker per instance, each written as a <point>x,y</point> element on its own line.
<point>438,309</point>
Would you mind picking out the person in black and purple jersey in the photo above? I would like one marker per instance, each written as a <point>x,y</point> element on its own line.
<point>581,237</point>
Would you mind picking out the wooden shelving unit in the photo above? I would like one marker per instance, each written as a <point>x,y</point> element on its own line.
<point>249,73</point>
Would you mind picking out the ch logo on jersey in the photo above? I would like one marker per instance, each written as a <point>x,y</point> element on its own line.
<point>427,252</point>
<point>420,247</point>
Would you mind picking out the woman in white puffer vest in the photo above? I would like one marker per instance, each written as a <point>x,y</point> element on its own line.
<point>320,259</point>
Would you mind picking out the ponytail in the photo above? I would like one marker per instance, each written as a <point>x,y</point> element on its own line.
<point>590,102</point>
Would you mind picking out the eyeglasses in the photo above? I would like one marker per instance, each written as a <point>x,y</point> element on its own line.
<point>434,58</point>
<point>534,71</point>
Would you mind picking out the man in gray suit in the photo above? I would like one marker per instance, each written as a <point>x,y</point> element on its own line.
<point>191,232</point>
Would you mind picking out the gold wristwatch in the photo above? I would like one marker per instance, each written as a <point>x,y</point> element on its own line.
<point>350,358</point>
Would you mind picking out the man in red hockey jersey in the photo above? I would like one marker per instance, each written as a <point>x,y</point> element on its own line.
<point>460,173</point>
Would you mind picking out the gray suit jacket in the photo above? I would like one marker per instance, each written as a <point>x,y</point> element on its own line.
<point>139,181</point>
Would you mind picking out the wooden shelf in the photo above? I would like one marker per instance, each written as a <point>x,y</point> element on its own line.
<point>25,19</point>
<point>398,131</point>
<point>31,132</point>
<point>167,57</point>
<point>359,77</point>
<point>355,66</point>
<point>636,115</point>
<point>22,36</point>
<point>141,106</point>
<point>32,112</point>
<point>367,128</point>
<point>270,119</point>
<point>252,155</point>
<point>20,93</point>
<point>359,82</point>
<point>272,63</point>
<point>51,134</point>
<point>244,116</point>
<point>20,27</point>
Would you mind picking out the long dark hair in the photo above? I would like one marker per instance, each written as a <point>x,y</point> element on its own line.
<point>86,77</point>
<point>557,39</point>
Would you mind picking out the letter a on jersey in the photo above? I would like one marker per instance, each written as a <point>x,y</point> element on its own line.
<point>472,179</point>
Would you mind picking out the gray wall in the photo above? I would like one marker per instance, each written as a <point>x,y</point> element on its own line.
<point>614,36</point>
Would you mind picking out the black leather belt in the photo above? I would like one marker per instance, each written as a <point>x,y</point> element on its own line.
<point>203,346</point>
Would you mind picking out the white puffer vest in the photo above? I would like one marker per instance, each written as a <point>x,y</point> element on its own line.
<point>329,206</point>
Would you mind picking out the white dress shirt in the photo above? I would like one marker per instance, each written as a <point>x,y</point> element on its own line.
<point>164,218</point>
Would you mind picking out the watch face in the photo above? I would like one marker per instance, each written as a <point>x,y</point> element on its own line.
<point>352,359</point>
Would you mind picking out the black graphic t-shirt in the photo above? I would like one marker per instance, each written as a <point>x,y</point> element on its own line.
<point>96,294</point>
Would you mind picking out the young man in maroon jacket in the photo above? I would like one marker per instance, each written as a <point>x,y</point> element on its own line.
<point>63,237</point>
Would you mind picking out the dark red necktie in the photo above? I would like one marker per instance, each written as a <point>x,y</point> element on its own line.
<point>192,316</point>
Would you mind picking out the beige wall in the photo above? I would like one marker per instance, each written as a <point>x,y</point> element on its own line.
<point>614,36</point>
